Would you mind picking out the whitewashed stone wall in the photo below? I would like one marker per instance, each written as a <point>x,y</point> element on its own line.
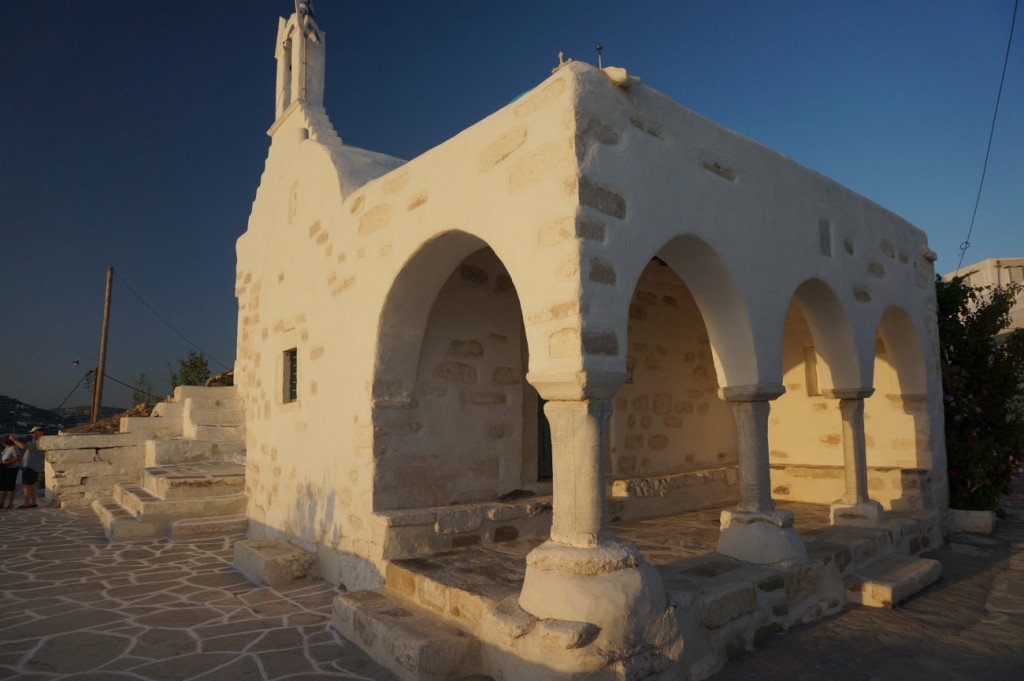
<point>575,187</point>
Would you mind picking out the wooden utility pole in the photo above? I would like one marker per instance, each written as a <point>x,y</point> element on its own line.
<point>97,380</point>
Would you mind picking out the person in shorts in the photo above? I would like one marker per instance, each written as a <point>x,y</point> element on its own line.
<point>32,462</point>
<point>9,460</point>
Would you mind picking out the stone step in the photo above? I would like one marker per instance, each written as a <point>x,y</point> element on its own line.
<point>185,392</point>
<point>162,452</point>
<point>194,480</point>
<point>888,581</point>
<point>217,526</point>
<point>202,403</point>
<point>412,642</point>
<point>120,525</point>
<point>274,562</point>
<point>215,433</point>
<point>219,416</point>
<point>142,503</point>
<point>850,547</point>
<point>460,595</point>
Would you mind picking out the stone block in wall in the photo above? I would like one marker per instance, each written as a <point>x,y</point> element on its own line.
<point>505,512</point>
<point>68,456</point>
<point>724,603</point>
<point>90,441</point>
<point>150,426</point>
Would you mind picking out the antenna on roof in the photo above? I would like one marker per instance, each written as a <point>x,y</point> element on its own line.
<point>600,48</point>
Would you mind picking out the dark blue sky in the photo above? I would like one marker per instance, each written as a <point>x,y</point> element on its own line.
<point>133,133</point>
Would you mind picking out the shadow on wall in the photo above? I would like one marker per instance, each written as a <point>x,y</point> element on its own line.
<point>339,557</point>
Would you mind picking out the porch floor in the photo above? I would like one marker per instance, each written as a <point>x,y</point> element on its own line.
<point>680,547</point>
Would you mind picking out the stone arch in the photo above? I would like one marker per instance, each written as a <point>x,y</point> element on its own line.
<point>449,395</point>
<point>903,348</point>
<point>403,317</point>
<point>818,350</point>
<point>669,420</point>
<point>897,424</point>
<point>831,332</point>
<point>721,304</point>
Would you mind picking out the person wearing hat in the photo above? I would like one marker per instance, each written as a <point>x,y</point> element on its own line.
<point>32,459</point>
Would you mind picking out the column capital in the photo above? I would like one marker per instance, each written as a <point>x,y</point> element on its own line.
<point>575,386</point>
<point>758,392</point>
<point>847,393</point>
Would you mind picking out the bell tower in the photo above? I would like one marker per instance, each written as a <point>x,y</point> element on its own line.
<point>300,60</point>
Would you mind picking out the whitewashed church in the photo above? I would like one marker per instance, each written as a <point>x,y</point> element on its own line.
<point>595,389</point>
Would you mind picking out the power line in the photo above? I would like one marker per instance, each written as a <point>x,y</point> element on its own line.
<point>991,132</point>
<point>169,325</point>
<point>68,396</point>
<point>133,387</point>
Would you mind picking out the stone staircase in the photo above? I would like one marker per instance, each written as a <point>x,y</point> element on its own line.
<point>193,482</point>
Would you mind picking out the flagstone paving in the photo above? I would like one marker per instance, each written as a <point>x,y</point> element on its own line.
<point>72,605</point>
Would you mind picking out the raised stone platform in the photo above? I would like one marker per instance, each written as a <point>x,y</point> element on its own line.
<point>722,606</point>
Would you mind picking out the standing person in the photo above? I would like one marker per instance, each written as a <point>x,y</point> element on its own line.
<point>9,460</point>
<point>32,459</point>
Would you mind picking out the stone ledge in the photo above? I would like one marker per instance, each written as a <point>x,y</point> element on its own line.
<point>889,581</point>
<point>273,563</point>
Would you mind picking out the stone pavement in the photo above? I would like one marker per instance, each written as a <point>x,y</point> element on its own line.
<point>968,626</point>
<point>73,606</point>
<point>76,607</point>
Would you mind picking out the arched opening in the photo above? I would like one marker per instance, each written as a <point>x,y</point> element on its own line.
<point>805,432</point>
<point>670,431</point>
<point>896,425</point>
<point>454,420</point>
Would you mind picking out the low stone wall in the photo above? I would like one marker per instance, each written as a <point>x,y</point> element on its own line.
<point>897,489</point>
<point>653,496</point>
<point>413,533</point>
<point>81,468</point>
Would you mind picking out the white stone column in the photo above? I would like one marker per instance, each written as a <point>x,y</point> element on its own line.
<point>579,436</point>
<point>752,444</point>
<point>756,532</point>
<point>583,573</point>
<point>855,508</point>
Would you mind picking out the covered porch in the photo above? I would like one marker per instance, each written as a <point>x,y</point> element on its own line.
<point>465,601</point>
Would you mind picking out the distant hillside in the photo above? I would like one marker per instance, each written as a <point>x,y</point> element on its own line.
<point>17,417</point>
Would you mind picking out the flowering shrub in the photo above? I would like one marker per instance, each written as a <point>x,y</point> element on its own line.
<point>983,382</point>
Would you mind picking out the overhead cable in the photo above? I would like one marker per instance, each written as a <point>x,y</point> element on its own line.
<point>984,168</point>
<point>169,325</point>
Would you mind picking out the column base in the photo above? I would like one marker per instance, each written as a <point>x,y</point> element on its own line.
<point>763,538</point>
<point>610,586</point>
<point>864,513</point>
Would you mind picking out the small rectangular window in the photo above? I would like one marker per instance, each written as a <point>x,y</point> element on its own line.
<point>1016,274</point>
<point>291,375</point>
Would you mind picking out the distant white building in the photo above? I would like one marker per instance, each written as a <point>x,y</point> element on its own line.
<point>998,272</point>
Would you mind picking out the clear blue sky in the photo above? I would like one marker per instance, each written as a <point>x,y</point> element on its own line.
<point>133,133</point>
